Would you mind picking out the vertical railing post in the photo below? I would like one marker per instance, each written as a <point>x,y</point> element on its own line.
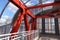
<point>43,25</point>
<point>56,26</point>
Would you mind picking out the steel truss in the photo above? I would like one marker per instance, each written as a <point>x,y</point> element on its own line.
<point>25,11</point>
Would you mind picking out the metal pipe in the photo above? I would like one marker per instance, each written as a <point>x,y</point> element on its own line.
<point>44,5</point>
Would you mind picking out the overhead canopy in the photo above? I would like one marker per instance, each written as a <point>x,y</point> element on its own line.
<point>11,9</point>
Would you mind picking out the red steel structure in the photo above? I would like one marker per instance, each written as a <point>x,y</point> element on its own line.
<point>25,11</point>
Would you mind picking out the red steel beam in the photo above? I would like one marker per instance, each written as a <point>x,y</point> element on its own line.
<point>17,23</point>
<point>44,5</point>
<point>27,25</point>
<point>54,12</point>
<point>45,16</point>
<point>26,12</point>
<point>58,16</point>
<point>20,18</point>
<point>19,4</point>
<point>30,14</point>
<point>50,14</point>
<point>34,24</point>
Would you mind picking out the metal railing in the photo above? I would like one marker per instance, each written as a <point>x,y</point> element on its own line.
<point>24,35</point>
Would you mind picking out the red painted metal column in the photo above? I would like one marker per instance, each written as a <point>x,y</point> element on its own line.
<point>27,26</point>
<point>44,5</point>
<point>34,24</point>
<point>16,25</point>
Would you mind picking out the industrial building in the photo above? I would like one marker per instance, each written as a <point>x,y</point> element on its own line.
<point>30,20</point>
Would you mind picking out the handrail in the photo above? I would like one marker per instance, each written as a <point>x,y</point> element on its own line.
<point>19,35</point>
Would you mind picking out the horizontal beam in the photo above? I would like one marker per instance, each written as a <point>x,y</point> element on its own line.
<point>55,14</point>
<point>47,11</point>
<point>44,5</point>
<point>46,16</point>
<point>19,4</point>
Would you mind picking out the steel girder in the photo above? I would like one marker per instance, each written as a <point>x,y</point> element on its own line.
<point>44,5</point>
<point>54,14</point>
<point>23,15</point>
<point>25,12</point>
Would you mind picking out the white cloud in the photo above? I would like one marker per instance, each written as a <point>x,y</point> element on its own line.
<point>5,17</point>
<point>5,20</point>
<point>23,0</point>
<point>28,4</point>
<point>48,2</point>
<point>2,20</point>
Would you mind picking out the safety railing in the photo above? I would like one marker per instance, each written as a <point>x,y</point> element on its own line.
<point>24,35</point>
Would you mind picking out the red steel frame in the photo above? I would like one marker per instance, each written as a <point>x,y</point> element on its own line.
<point>44,5</point>
<point>23,15</point>
<point>53,14</point>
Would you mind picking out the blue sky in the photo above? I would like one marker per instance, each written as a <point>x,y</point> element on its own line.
<point>11,9</point>
<point>2,4</point>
